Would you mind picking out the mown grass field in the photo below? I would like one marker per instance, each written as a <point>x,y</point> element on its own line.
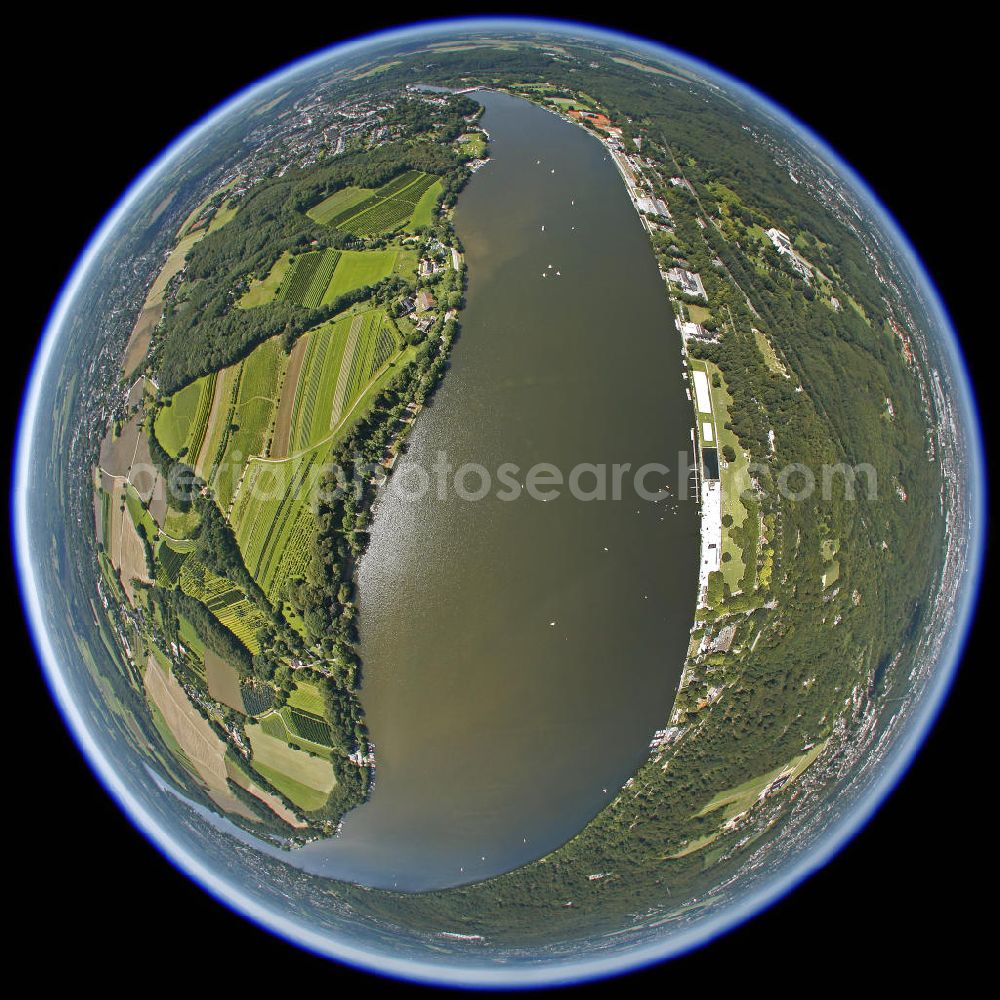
<point>357,268</point>
<point>423,212</point>
<point>306,781</point>
<point>180,424</point>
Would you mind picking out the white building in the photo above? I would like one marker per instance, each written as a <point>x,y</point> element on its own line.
<point>780,240</point>
<point>688,281</point>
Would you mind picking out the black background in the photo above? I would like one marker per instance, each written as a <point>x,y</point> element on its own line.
<point>94,98</point>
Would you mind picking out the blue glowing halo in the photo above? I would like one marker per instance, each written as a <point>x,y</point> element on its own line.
<point>485,973</point>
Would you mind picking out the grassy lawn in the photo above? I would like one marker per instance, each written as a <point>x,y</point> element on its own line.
<point>472,145</point>
<point>261,292</point>
<point>139,514</point>
<point>190,638</point>
<point>406,263</point>
<point>423,213</point>
<point>698,314</point>
<point>357,268</point>
<point>173,420</point>
<point>178,524</point>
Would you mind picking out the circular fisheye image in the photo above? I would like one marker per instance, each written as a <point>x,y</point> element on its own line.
<point>499,503</point>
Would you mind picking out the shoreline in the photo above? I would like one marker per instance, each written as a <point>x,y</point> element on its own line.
<point>707,493</point>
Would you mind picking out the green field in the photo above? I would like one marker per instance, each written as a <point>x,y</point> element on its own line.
<point>306,780</point>
<point>472,144</point>
<point>189,636</point>
<point>180,524</point>
<point>274,522</point>
<point>358,268</point>
<point>251,419</point>
<point>388,209</point>
<point>423,213</point>
<point>696,313</point>
<point>305,729</point>
<point>139,514</point>
<point>318,277</point>
<point>227,385</point>
<point>181,422</point>
<point>346,362</point>
<point>742,797</point>
<point>828,548</point>
<point>307,697</point>
<point>341,359</point>
<point>766,348</point>
<point>261,292</point>
<point>304,796</point>
<point>339,202</point>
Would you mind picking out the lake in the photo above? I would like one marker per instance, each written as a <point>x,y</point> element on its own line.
<point>519,654</point>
